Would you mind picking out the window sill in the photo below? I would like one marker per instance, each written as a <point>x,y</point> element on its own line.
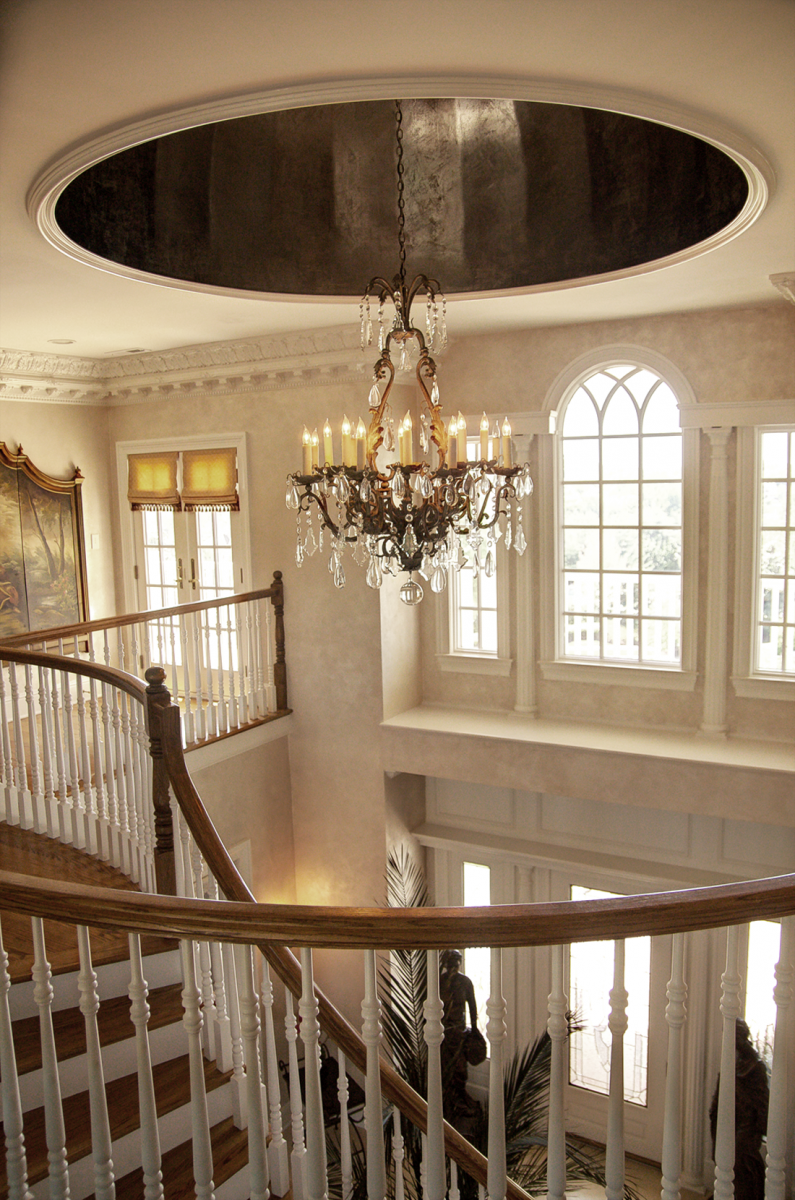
<point>764,687</point>
<point>474,664</point>
<point>626,675</point>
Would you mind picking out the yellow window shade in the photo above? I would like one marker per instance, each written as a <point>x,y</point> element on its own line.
<point>209,479</point>
<point>152,480</point>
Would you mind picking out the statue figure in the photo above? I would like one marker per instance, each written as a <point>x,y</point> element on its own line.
<point>751,1098</point>
<point>461,1044</point>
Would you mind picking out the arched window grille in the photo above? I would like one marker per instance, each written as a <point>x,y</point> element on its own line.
<point>621,529</point>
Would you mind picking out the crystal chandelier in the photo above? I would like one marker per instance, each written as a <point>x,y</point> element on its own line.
<point>399,512</point>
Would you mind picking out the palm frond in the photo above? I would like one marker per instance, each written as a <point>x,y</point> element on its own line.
<point>404,977</point>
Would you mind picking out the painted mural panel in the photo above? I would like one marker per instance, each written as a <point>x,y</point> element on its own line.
<point>42,560</point>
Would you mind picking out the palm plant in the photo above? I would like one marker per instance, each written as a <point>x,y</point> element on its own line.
<point>404,984</point>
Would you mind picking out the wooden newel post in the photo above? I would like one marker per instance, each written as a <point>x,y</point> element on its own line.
<point>279,668</point>
<point>158,700</point>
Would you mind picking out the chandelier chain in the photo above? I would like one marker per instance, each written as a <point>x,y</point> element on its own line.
<point>400,189</point>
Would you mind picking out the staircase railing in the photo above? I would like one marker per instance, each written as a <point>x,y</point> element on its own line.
<point>225,657</point>
<point>222,1009</point>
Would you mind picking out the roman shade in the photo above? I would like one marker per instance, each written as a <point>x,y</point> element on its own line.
<point>152,480</point>
<point>209,479</point>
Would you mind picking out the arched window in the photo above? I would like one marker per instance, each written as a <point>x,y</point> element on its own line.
<point>621,528</point>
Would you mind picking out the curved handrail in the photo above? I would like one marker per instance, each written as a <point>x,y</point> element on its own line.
<point>155,614</point>
<point>77,666</point>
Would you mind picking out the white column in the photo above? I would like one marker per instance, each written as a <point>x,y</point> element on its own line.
<point>526,701</point>
<point>780,1090</point>
<point>435,1181</point>
<point>16,1160</point>
<point>675,1015</point>
<point>101,1146</point>
<point>558,1030</point>
<point>730,1011</point>
<point>373,1109</point>
<point>316,1184</point>
<point>716,648</point>
<point>496,1033</point>
<point>617,1023</point>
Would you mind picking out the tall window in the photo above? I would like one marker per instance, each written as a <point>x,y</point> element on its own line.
<point>477,959</point>
<point>621,504</point>
<point>474,610</point>
<point>775,615</point>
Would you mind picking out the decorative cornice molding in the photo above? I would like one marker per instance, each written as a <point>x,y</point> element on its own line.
<point>275,361</point>
<point>785,283</point>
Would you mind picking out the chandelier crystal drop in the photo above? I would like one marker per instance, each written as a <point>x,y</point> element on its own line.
<point>386,503</point>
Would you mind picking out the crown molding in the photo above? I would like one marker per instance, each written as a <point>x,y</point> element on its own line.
<point>271,362</point>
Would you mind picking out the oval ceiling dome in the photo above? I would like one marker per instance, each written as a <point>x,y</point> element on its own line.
<point>499,195</point>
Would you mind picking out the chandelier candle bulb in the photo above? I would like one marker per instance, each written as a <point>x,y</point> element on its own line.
<point>408,438</point>
<point>328,445</point>
<point>347,450</point>
<point>463,454</point>
<point>315,447</point>
<point>507,460</point>
<point>484,438</point>
<point>306,445</point>
<point>452,443</point>
<point>361,445</point>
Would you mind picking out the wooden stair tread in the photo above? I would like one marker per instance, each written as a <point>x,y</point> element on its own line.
<point>113,1019</point>
<point>31,853</point>
<point>172,1091</point>
<point>230,1155</point>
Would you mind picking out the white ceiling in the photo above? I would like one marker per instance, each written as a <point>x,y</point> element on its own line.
<point>74,71</point>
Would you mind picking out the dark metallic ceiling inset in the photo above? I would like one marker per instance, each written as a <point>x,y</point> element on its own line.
<point>499,194</point>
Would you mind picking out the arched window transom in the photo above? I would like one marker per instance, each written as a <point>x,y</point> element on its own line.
<point>621,506</point>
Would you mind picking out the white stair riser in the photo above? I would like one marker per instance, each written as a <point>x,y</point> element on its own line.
<point>174,1128</point>
<point>237,1187</point>
<point>118,1060</point>
<point>114,979</point>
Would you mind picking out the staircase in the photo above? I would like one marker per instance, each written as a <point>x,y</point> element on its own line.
<point>29,853</point>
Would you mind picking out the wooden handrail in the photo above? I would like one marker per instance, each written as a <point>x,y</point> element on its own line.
<point>76,666</point>
<point>79,630</point>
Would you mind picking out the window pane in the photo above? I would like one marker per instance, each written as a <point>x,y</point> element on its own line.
<point>581,592</point>
<point>620,458</point>
<point>580,459</point>
<point>641,382</point>
<point>580,417</point>
<point>662,412</point>
<point>662,550</point>
<point>661,641</point>
<point>468,630</point>
<point>621,594</point>
<point>488,591</point>
<point>662,504</point>
<point>204,528</point>
<point>771,600</point>
<point>764,948</point>
<point>581,504</point>
<point>775,447</point>
<point>771,648</point>
<point>223,528</point>
<point>600,386</point>
<point>488,632</point>
<point>620,504</point>
<point>582,636</point>
<point>620,638</point>
<point>774,504</point>
<point>620,415</point>
<point>153,573</point>
<point>772,554</point>
<point>581,548</point>
<point>226,573</point>
<point>477,960</point>
<point>662,457</point>
<point>662,596</point>
<point>620,549</point>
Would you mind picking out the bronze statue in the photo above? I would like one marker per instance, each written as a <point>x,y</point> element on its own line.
<point>461,1044</point>
<point>751,1096</point>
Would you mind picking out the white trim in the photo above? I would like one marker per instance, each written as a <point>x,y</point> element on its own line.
<point>623,674</point>
<point>199,442</point>
<point>474,664</point>
<point>567,380</point>
<point>738,414</point>
<point>48,186</point>
<point>241,743</point>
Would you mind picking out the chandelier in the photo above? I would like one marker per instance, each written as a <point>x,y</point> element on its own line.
<point>386,504</point>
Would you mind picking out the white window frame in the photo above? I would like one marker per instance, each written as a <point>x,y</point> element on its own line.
<point>554,665</point>
<point>748,682</point>
<point>127,516</point>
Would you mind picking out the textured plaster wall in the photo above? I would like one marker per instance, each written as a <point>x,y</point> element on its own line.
<point>58,438</point>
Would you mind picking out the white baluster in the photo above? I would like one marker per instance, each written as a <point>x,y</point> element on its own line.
<point>262,704</point>
<point>454,1193</point>
<point>6,761</point>
<point>278,1156</point>
<point>617,1023</point>
<point>250,1026</point>
<point>780,1090</point>
<point>398,1155</point>
<point>201,717</point>
<point>223,723</point>
<point>121,784</point>
<point>78,835</point>
<point>94,710</point>
<point>435,1173</point>
<point>730,1011</point>
<point>373,1108</point>
<point>147,1106</point>
<point>205,962</point>
<point>16,1160</point>
<point>271,687</point>
<point>51,1088</point>
<point>132,775</point>
<point>212,709</point>
<point>248,710</point>
<point>188,721</point>
<point>298,1152</point>
<point>110,781</point>
<point>234,718</point>
<point>558,1030</point>
<point>104,1188</point>
<point>24,798</point>
<point>142,768</point>
<point>239,1109</point>
<point>346,1163</point>
<point>172,632</point>
<point>496,1033</point>
<point>38,807</point>
<point>200,1125</point>
<point>316,1185</point>
<point>223,1028</point>
<point>675,1015</point>
<point>89,801</point>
